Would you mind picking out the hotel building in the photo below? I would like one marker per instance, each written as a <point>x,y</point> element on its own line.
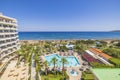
<point>9,41</point>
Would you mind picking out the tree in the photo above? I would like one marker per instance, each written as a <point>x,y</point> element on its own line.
<point>103,43</point>
<point>63,48</point>
<point>118,44</point>
<point>46,67</point>
<point>89,41</point>
<point>64,61</point>
<point>18,52</point>
<point>54,61</point>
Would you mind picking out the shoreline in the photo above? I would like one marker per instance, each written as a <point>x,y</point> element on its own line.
<point>69,39</point>
<point>58,40</point>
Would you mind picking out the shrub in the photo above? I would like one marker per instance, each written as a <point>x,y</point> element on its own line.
<point>115,61</point>
<point>112,52</point>
<point>100,65</point>
<point>46,79</point>
<point>87,75</point>
<point>62,78</point>
<point>88,72</point>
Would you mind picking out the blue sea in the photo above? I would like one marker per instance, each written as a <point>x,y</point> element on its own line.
<point>67,35</point>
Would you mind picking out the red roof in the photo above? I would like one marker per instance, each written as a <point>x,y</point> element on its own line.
<point>100,53</point>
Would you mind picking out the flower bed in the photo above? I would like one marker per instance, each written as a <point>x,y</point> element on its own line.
<point>89,58</point>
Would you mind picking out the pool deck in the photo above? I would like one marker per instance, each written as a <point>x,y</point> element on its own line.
<point>76,68</point>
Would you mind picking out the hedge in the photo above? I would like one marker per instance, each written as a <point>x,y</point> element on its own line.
<point>87,75</point>
<point>100,65</point>
<point>115,61</point>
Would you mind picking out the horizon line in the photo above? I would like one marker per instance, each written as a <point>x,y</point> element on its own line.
<point>65,31</point>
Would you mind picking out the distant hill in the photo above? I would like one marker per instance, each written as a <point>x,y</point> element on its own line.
<point>115,31</point>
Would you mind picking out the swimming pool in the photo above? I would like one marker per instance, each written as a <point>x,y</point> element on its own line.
<point>72,61</point>
<point>73,73</point>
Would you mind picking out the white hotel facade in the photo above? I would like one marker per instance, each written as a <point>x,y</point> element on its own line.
<point>9,41</point>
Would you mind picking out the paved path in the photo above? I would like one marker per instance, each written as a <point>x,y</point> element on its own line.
<point>33,71</point>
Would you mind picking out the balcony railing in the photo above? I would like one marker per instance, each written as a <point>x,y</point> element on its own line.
<point>8,33</point>
<point>8,23</point>
<point>8,38</point>
<point>9,48</point>
<point>8,43</point>
<point>5,64</point>
<point>5,55</point>
<point>8,28</point>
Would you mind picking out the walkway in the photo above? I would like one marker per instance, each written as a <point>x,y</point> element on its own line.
<point>33,71</point>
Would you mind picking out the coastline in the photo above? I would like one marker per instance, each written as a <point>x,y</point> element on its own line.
<point>54,40</point>
<point>69,39</point>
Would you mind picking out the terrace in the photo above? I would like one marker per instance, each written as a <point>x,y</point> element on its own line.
<point>15,73</point>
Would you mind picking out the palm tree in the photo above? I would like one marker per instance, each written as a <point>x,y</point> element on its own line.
<point>45,63</point>
<point>54,61</point>
<point>63,61</point>
<point>18,52</point>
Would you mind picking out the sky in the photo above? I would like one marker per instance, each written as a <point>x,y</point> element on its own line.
<point>63,15</point>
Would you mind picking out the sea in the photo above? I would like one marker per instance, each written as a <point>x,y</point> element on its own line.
<point>67,35</point>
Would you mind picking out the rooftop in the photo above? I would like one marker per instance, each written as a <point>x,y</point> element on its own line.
<point>100,53</point>
<point>6,17</point>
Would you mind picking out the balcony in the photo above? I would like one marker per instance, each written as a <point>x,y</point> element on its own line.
<point>8,23</point>
<point>7,54</point>
<point>8,38</point>
<point>4,65</point>
<point>2,28</point>
<point>8,28</point>
<point>9,48</point>
<point>8,33</point>
<point>8,43</point>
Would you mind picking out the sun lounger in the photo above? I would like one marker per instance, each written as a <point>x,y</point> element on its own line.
<point>23,72</point>
<point>22,77</point>
<point>23,68</point>
<point>10,74</point>
<point>16,74</point>
<point>12,70</point>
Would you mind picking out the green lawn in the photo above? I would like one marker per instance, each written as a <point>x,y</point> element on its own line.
<point>108,73</point>
<point>52,77</point>
<point>87,75</point>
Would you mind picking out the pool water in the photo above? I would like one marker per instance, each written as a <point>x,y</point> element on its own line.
<point>73,73</point>
<point>72,61</point>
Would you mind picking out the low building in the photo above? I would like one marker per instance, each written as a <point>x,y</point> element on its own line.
<point>69,46</point>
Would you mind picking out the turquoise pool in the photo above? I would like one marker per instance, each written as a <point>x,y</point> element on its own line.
<point>72,61</point>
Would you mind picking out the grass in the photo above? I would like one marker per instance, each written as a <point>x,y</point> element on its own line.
<point>107,73</point>
<point>51,76</point>
<point>89,77</point>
